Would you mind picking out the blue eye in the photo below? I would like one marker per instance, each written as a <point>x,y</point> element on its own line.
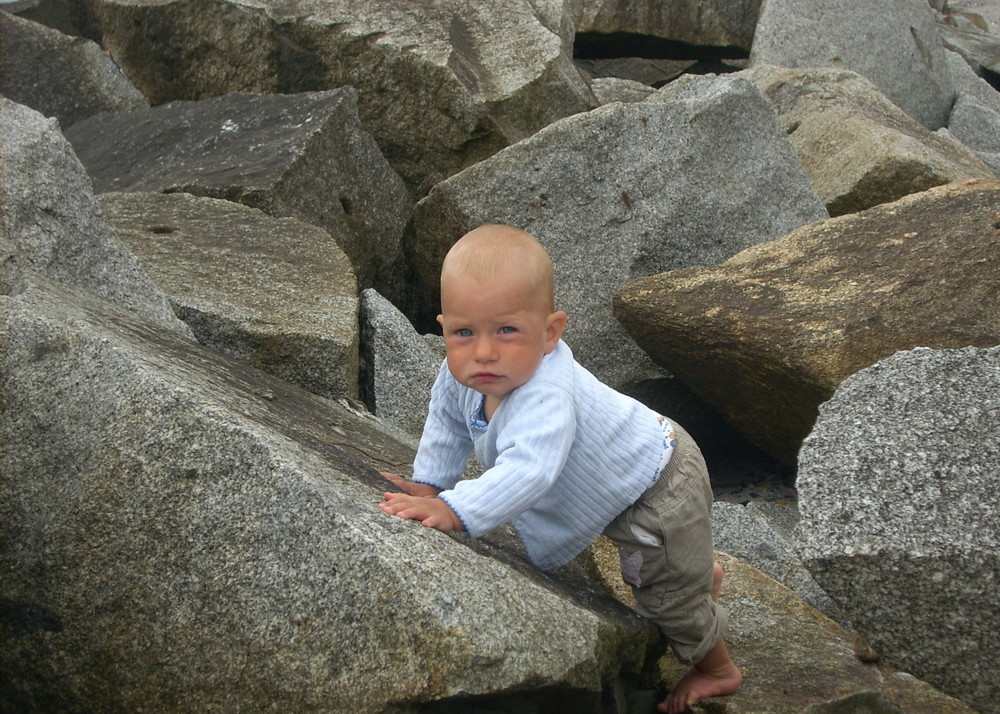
<point>464,332</point>
<point>507,330</point>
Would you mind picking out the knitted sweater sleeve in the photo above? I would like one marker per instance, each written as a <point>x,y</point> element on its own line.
<point>445,444</point>
<point>534,433</point>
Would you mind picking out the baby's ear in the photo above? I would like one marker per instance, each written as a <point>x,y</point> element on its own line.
<point>554,328</point>
<point>440,319</point>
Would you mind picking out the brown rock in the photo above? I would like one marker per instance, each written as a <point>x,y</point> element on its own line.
<point>859,148</point>
<point>768,335</point>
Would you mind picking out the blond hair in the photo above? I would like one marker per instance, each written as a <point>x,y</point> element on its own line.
<point>498,252</point>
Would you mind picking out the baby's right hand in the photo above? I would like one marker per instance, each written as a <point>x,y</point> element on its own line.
<point>414,489</point>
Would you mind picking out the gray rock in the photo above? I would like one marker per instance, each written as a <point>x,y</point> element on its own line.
<point>56,14</point>
<point>442,85</point>
<point>302,156</point>
<point>185,533</point>
<point>614,89</point>
<point>968,82</point>
<point>645,70</point>
<point>869,702</point>
<point>898,484</point>
<point>65,77</point>
<point>859,148</point>
<point>52,224</point>
<point>695,22</point>
<point>895,44</point>
<point>400,366</point>
<point>768,335</point>
<point>747,533</point>
<point>793,656</point>
<point>980,48</point>
<point>276,293</point>
<point>634,189</point>
<point>978,127</point>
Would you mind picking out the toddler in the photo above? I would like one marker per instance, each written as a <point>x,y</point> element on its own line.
<point>566,456</point>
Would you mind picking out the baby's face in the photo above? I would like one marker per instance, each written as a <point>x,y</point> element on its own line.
<point>495,333</point>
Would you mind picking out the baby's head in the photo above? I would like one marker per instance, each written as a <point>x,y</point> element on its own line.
<point>497,309</point>
<point>496,253</point>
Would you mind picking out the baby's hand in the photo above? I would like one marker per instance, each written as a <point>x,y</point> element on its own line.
<point>414,489</point>
<point>431,511</point>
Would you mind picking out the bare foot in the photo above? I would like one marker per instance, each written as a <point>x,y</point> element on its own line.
<point>714,676</point>
<point>703,682</point>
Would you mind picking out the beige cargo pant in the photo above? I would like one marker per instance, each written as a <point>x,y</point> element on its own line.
<point>665,544</point>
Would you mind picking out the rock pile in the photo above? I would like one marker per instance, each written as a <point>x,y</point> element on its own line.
<point>222,225</point>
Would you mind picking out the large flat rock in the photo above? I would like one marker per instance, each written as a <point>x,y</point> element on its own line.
<point>768,335</point>
<point>183,532</point>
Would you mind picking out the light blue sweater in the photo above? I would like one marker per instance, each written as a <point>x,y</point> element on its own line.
<point>564,454</point>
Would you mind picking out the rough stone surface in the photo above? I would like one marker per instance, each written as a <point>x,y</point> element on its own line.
<point>859,148</point>
<point>65,77</point>
<point>634,189</point>
<point>968,82</point>
<point>898,483</point>
<point>980,48</point>
<point>56,14</point>
<point>648,71</point>
<point>276,293</point>
<point>978,127</point>
<point>302,156</point>
<point>696,22</point>
<point>185,533</point>
<point>906,62</point>
<point>791,654</point>
<point>767,336</point>
<point>400,366</point>
<point>52,224</point>
<point>613,89</point>
<point>441,84</point>
<point>748,533</point>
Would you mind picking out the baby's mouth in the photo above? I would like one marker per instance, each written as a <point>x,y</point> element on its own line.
<point>485,377</point>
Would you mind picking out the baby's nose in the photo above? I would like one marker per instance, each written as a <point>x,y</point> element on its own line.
<point>485,350</point>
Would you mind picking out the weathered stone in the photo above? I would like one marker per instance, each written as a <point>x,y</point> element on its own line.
<point>767,336</point>
<point>894,43</point>
<point>747,533</point>
<point>651,72</point>
<point>792,655</point>
<point>442,85</point>
<point>859,148</point>
<point>65,77</point>
<point>979,48</point>
<point>694,22</point>
<point>613,89</point>
<point>303,156</point>
<point>185,533</point>
<point>57,14</point>
<point>623,191</point>
<point>968,82</point>
<point>898,483</point>
<point>276,293</point>
<point>52,224</point>
<point>978,127</point>
<point>400,366</point>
